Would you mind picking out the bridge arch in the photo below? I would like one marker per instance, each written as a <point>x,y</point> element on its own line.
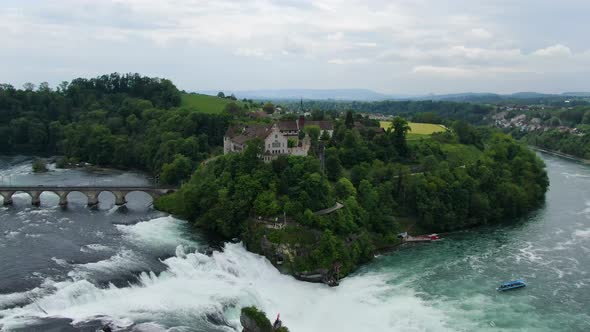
<point>117,194</point>
<point>148,196</point>
<point>21,194</point>
<point>77,196</point>
<point>47,197</point>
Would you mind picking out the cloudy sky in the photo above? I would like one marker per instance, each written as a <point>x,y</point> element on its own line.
<point>391,46</point>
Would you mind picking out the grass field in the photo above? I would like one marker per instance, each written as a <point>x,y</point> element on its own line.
<point>419,128</point>
<point>204,103</point>
<point>460,154</point>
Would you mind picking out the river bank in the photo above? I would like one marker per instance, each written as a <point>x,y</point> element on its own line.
<point>560,154</point>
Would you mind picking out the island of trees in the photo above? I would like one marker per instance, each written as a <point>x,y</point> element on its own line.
<point>454,180</point>
<point>382,182</point>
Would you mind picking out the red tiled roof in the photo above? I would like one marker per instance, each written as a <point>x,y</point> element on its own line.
<point>324,125</point>
<point>288,125</point>
<point>242,134</point>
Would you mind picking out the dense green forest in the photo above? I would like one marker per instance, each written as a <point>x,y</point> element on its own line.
<point>454,180</point>
<point>125,121</point>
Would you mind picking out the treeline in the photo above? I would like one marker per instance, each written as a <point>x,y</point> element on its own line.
<point>472,113</point>
<point>125,121</point>
<point>379,178</point>
<point>565,142</point>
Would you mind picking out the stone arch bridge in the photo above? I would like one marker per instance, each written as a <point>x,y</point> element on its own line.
<point>92,192</point>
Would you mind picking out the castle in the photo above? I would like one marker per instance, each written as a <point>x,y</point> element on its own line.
<point>280,138</point>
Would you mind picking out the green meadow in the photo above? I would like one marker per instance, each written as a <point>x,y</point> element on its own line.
<point>205,103</point>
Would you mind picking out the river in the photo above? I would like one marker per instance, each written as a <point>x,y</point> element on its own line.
<point>141,270</point>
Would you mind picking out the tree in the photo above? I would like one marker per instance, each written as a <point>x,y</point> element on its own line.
<point>586,119</point>
<point>180,169</point>
<point>29,86</point>
<point>269,108</point>
<point>313,132</point>
<point>333,166</point>
<point>233,109</point>
<point>349,122</point>
<point>555,122</point>
<point>253,153</point>
<point>400,130</point>
<point>63,87</point>
<point>44,87</point>
<point>344,189</point>
<point>317,115</point>
<point>220,94</point>
<point>301,135</point>
<point>467,134</point>
<point>266,204</point>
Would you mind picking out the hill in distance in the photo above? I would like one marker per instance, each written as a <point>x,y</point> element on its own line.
<point>315,94</point>
<point>369,95</point>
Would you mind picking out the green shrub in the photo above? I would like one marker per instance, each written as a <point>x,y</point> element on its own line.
<point>39,166</point>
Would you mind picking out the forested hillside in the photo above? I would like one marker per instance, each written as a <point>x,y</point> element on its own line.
<point>125,121</point>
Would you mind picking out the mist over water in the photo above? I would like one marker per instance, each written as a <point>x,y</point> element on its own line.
<point>146,271</point>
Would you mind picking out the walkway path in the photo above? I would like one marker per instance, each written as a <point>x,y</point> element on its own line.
<point>336,207</point>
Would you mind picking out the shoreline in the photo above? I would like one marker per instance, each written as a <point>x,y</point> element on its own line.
<point>560,154</point>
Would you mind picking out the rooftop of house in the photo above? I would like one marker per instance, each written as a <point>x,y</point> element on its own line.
<point>288,125</point>
<point>242,133</point>
<point>324,125</point>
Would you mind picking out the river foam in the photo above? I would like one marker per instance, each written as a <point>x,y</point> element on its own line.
<point>206,292</point>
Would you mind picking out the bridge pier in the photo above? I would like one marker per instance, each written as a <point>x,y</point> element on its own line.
<point>92,199</point>
<point>63,198</point>
<point>7,195</point>
<point>120,198</point>
<point>35,198</point>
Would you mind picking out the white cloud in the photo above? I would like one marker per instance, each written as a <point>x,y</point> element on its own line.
<point>297,38</point>
<point>557,50</point>
<point>366,44</point>
<point>356,61</point>
<point>481,33</point>
<point>443,71</point>
<point>468,71</point>
<point>249,52</point>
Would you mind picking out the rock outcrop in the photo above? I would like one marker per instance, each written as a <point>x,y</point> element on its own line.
<point>254,320</point>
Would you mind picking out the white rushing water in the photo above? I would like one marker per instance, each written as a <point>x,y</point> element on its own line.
<point>194,285</point>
